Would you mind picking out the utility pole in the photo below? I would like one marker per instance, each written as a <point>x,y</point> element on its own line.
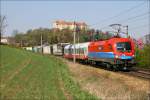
<point>41,43</point>
<point>149,33</point>
<point>21,42</point>
<point>92,35</point>
<point>149,14</point>
<point>77,33</point>
<point>74,42</point>
<point>3,25</point>
<point>126,31</point>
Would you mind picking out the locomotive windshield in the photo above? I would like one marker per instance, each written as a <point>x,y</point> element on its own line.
<point>124,46</point>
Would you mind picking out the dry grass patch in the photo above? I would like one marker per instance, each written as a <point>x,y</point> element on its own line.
<point>109,85</point>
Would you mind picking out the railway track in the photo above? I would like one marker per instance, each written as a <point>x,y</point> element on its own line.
<point>141,73</point>
<point>136,72</point>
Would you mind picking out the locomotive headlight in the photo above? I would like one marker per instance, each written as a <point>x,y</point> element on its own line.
<point>133,56</point>
<point>116,56</point>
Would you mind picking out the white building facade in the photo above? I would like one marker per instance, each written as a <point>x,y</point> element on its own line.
<point>60,24</point>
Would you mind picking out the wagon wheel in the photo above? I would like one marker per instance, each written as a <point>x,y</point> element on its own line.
<point>115,68</point>
<point>109,66</point>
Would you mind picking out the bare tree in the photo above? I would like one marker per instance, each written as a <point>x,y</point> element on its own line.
<point>2,25</point>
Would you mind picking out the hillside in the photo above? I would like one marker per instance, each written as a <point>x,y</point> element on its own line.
<point>25,75</point>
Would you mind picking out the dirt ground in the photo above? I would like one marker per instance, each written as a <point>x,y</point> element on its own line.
<point>109,85</point>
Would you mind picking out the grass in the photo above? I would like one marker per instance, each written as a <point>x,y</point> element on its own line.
<point>109,85</point>
<point>25,75</point>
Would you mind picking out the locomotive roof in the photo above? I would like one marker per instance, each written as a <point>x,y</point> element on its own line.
<point>113,40</point>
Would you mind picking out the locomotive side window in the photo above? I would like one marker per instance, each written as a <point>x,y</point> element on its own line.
<point>124,46</point>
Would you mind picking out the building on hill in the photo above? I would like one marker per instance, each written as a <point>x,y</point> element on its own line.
<point>61,24</point>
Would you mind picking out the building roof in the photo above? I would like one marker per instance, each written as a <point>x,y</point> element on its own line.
<point>62,22</point>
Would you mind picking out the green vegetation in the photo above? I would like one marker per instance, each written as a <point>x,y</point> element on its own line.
<point>28,76</point>
<point>52,36</point>
<point>143,57</point>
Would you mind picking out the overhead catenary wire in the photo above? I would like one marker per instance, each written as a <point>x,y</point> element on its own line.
<point>137,19</point>
<point>139,27</point>
<point>119,14</point>
<point>137,16</point>
<point>132,33</point>
<point>133,17</point>
<point>130,18</point>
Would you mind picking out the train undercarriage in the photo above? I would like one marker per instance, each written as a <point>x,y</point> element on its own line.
<point>110,64</point>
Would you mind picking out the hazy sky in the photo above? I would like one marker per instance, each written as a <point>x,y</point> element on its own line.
<point>25,15</point>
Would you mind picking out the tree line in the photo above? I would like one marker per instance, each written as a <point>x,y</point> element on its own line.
<point>52,36</point>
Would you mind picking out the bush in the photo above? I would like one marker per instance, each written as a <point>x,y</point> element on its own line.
<point>143,57</point>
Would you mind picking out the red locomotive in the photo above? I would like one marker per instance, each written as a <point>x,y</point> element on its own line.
<point>116,53</point>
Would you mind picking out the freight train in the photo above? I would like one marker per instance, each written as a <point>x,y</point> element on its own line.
<point>116,53</point>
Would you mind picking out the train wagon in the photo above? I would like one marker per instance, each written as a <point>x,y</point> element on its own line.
<point>58,49</point>
<point>47,49</point>
<point>80,51</point>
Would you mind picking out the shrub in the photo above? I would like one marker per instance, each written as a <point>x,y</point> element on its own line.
<point>143,57</point>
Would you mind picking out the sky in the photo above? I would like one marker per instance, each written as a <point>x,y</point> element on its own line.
<point>25,15</point>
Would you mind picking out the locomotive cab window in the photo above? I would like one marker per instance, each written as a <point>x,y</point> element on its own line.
<point>124,46</point>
